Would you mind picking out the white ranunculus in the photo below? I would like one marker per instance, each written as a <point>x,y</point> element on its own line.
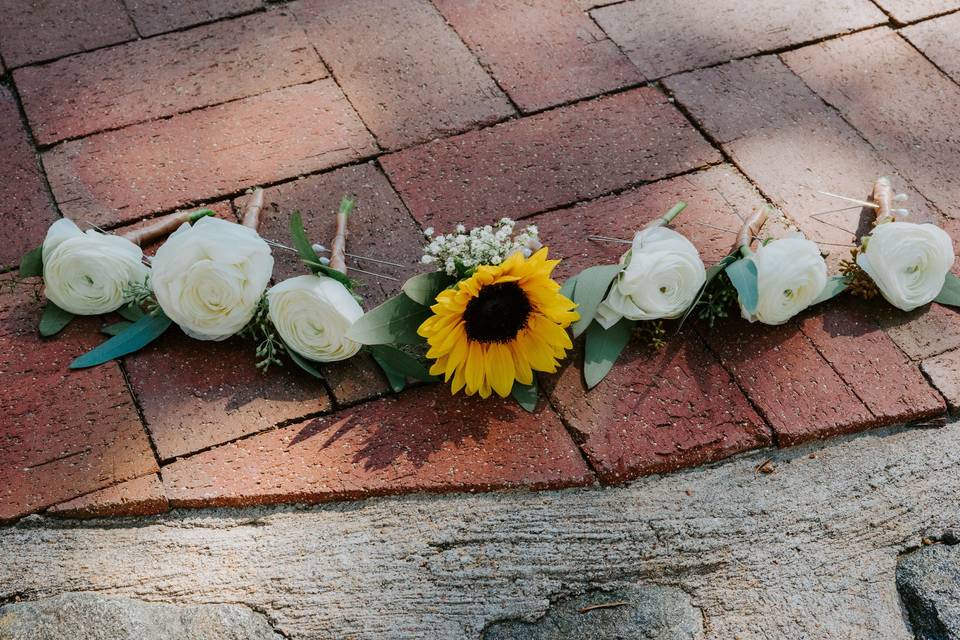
<point>312,314</point>
<point>209,277</point>
<point>908,262</point>
<point>86,273</point>
<point>791,273</point>
<point>661,276</point>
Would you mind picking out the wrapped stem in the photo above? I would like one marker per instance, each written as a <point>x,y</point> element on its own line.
<point>751,227</point>
<point>163,226</point>
<point>883,197</point>
<point>251,215</point>
<point>338,248</point>
<point>668,217</point>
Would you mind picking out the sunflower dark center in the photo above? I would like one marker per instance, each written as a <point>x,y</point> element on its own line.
<point>497,314</point>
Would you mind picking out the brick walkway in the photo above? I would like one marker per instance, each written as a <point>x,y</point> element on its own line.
<point>586,117</point>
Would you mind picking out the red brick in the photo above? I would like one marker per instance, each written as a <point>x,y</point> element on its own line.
<point>785,377</point>
<point>123,175</point>
<point>547,160</point>
<point>415,79</point>
<point>910,10</point>
<point>34,31</point>
<point>658,411</point>
<point>380,227</point>
<point>63,433</point>
<point>845,332</point>
<point>791,145</point>
<point>148,79</point>
<point>936,39</point>
<point>897,99</point>
<point>141,496</point>
<point>424,440</point>
<point>199,394</point>
<point>944,372</point>
<point>156,16</point>
<point>544,52</point>
<point>666,36</point>
<point>923,332</point>
<point>25,205</point>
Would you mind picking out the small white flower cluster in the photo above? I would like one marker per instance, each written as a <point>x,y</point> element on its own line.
<point>457,254</point>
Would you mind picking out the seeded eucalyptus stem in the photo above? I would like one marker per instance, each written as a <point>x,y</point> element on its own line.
<point>751,227</point>
<point>668,217</point>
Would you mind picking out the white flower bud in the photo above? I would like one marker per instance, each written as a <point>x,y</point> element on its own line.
<point>791,274</point>
<point>312,314</point>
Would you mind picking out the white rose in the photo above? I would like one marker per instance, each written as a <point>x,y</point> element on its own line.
<point>908,262</point>
<point>312,314</point>
<point>86,273</point>
<point>209,277</point>
<point>791,273</point>
<point>662,274</point>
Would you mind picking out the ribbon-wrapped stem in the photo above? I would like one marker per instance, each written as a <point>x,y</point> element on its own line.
<point>751,227</point>
<point>251,215</point>
<point>883,197</point>
<point>163,226</point>
<point>668,217</point>
<point>338,248</point>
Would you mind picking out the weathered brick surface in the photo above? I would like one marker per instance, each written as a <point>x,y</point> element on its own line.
<point>424,440</point>
<point>547,160</point>
<point>414,80</point>
<point>791,145</point>
<point>156,77</point>
<point>198,394</point>
<point>658,411</point>
<point>157,16</point>
<point>141,496</point>
<point>62,433</point>
<point>25,206</point>
<point>923,332</point>
<point>33,31</point>
<point>845,331</point>
<point>544,52</point>
<point>900,102</point>
<point>937,40</point>
<point>667,36</point>
<point>380,227</point>
<point>126,174</point>
<point>911,10</point>
<point>944,372</point>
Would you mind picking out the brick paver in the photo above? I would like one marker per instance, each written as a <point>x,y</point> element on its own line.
<point>936,39</point>
<point>62,433</point>
<point>547,160</point>
<point>156,16</point>
<point>543,52</point>
<point>424,440</point>
<point>663,37</point>
<point>406,72</point>
<point>25,205</point>
<point>911,10</point>
<point>923,332</point>
<point>156,77</point>
<point>141,496</point>
<point>944,372</point>
<point>897,99</point>
<point>34,31</point>
<point>128,173</point>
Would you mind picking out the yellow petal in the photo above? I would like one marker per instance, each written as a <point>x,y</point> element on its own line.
<point>474,367</point>
<point>500,369</point>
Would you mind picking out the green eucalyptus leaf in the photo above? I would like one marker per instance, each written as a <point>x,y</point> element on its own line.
<point>303,363</point>
<point>743,275</point>
<point>54,319</point>
<point>950,294</point>
<point>526,395</point>
<point>602,348</point>
<point>569,287</point>
<point>401,362</point>
<point>590,290</point>
<point>424,288</point>
<point>131,311</point>
<point>834,287</point>
<point>116,328</point>
<point>31,264</point>
<point>137,336</point>
<point>393,322</point>
<point>397,380</point>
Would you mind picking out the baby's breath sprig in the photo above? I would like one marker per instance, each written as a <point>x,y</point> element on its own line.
<point>858,282</point>
<point>717,300</point>
<point>141,295</point>
<point>458,254</point>
<point>261,331</point>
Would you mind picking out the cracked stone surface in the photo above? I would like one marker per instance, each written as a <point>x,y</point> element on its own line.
<point>929,584</point>
<point>806,551</point>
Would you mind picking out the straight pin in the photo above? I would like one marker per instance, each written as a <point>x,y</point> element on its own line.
<point>322,249</point>
<point>848,199</point>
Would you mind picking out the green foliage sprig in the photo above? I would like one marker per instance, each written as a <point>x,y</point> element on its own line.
<point>269,345</point>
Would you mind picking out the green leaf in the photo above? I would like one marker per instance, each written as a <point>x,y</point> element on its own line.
<point>401,362</point>
<point>569,287</point>
<point>54,319</point>
<point>602,348</point>
<point>526,395</point>
<point>31,264</point>
<point>835,285</point>
<point>116,328</point>
<point>743,275</point>
<point>424,288</point>
<point>396,379</point>
<point>131,312</point>
<point>336,275</point>
<point>346,205</point>
<point>303,363</point>
<point>140,334</point>
<point>950,294</point>
<point>302,244</point>
<point>591,289</point>
<point>393,322</point>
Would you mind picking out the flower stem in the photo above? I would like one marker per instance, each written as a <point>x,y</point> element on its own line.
<point>668,217</point>
<point>338,248</point>
<point>883,196</point>
<point>251,215</point>
<point>163,225</point>
<point>751,227</point>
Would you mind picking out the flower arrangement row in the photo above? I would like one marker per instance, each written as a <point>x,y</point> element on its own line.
<point>487,318</point>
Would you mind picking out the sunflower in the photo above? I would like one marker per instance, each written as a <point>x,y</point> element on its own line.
<point>499,325</point>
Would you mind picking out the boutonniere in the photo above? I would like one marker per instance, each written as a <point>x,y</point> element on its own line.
<point>487,319</point>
